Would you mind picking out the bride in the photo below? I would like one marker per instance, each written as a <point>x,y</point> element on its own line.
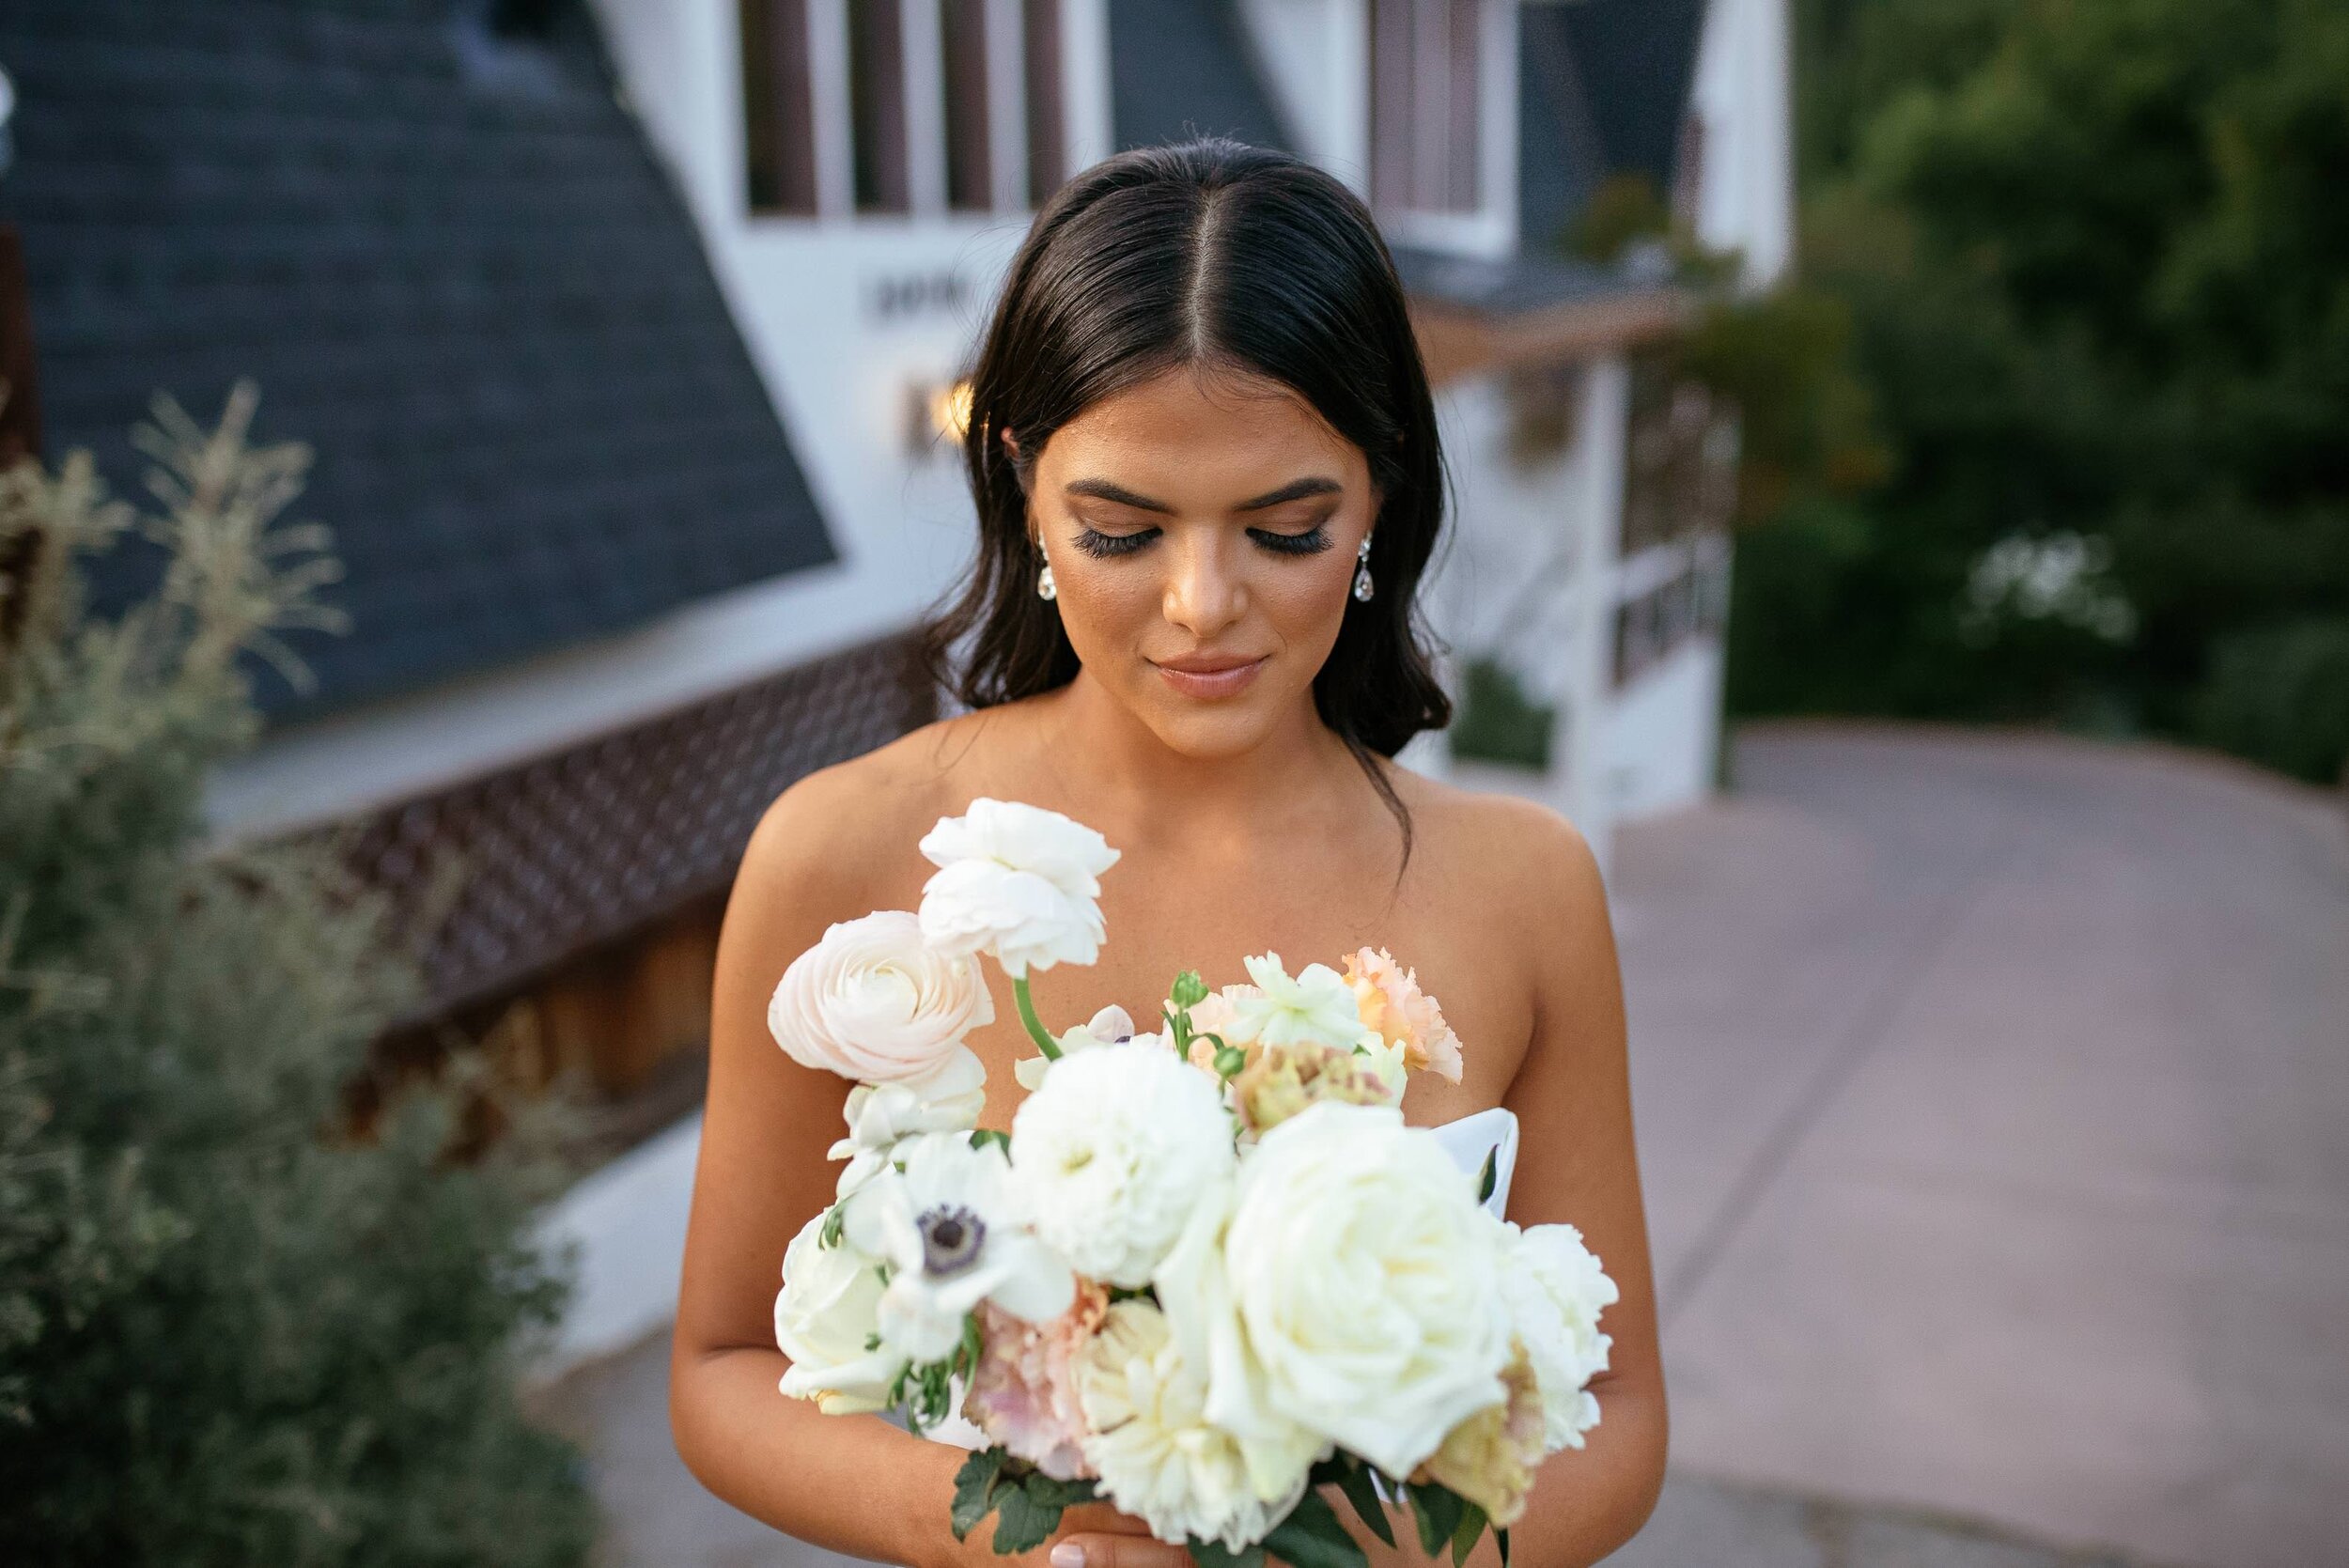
<point>1206,464</point>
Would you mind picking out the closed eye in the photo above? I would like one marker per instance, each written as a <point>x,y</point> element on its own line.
<point>1312,541</point>
<point>1101,546</point>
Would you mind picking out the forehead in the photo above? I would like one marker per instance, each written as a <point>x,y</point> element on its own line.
<point>1189,431</point>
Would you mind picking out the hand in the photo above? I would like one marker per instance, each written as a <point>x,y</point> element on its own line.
<point>1095,1535</point>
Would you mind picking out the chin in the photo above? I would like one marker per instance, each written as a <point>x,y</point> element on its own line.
<point>1208,730</point>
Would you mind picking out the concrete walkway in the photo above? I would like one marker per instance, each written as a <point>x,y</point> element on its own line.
<point>1994,1109</point>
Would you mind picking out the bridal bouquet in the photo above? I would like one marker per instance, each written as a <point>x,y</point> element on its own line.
<point>1207,1272</point>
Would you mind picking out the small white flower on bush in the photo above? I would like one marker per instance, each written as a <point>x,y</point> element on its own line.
<point>947,1100</point>
<point>825,1314</point>
<point>1363,1291</point>
<point>1110,1153</point>
<point>948,1229</point>
<point>1316,1004</point>
<point>872,1001</point>
<point>1555,1290</point>
<point>1150,1442</point>
<point>1017,881</point>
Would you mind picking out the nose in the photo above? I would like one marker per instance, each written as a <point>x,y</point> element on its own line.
<point>1203,590</point>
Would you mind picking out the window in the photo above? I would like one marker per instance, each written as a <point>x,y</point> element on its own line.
<point>1426,105</point>
<point>918,107</point>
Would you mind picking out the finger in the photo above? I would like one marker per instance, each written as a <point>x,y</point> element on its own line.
<point>1096,1549</point>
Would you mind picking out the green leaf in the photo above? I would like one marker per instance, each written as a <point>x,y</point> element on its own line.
<point>1464,1537</point>
<point>1501,1539</point>
<point>1311,1537</point>
<point>1491,1175</point>
<point>974,1488</point>
<point>1023,1519</point>
<point>835,1220</point>
<point>982,1136</point>
<point>1211,1554</point>
<point>1438,1510</point>
<point>1354,1480</point>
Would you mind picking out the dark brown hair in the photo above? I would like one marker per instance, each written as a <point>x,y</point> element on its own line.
<point>1215,253</point>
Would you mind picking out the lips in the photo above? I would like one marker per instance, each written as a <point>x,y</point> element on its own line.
<point>1209,674</point>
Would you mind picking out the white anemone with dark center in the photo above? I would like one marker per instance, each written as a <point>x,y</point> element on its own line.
<point>942,1219</point>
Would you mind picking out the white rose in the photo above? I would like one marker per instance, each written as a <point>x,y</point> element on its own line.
<point>1148,1438</point>
<point>1195,1290</point>
<point>1367,1291</point>
<point>949,1099</point>
<point>1017,881</point>
<point>1555,1290</point>
<point>825,1314</point>
<point>1110,1153</point>
<point>872,1001</point>
<point>1108,1027</point>
<point>1316,1004</point>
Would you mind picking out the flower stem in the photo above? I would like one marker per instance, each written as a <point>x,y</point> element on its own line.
<point>1035,1027</point>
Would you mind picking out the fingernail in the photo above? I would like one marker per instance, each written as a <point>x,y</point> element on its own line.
<point>1068,1555</point>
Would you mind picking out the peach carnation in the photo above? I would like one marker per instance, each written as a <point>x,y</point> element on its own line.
<point>1404,1016</point>
<point>1023,1393</point>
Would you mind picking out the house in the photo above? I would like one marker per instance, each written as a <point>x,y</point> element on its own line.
<point>627,332</point>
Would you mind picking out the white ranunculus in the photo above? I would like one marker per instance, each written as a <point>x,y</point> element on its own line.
<point>943,1217</point>
<point>1017,881</point>
<point>873,1002</point>
<point>1109,1154</point>
<point>825,1314</point>
<point>1315,1004</point>
<point>1110,1026</point>
<point>1366,1288</point>
<point>947,1100</point>
<point>1555,1289</point>
<point>1149,1440</point>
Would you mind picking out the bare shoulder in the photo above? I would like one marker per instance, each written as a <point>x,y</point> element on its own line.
<point>833,841</point>
<point>1512,847</point>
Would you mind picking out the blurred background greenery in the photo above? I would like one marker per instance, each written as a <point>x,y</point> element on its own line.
<point>2055,426</point>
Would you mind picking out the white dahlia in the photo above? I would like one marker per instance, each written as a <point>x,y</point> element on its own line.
<point>1554,1289</point>
<point>1109,1152</point>
<point>1149,1440</point>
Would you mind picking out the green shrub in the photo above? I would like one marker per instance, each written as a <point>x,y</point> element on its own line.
<point>2280,696</point>
<point>1498,721</point>
<point>233,1330</point>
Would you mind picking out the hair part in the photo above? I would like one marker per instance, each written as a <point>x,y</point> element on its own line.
<point>1221,256</point>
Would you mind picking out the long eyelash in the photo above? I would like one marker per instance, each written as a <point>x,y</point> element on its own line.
<point>1311,542</point>
<point>1101,546</point>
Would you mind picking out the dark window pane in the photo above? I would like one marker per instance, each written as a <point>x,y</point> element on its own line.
<point>962,39</point>
<point>1048,138</point>
<point>877,105</point>
<point>778,133</point>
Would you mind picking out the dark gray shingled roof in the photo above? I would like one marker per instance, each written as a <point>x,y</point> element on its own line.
<point>1602,89</point>
<point>453,268</point>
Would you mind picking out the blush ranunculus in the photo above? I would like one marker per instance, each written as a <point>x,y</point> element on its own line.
<point>873,1002</point>
<point>1017,881</point>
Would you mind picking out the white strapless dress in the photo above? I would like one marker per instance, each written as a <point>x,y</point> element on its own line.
<point>1469,1140</point>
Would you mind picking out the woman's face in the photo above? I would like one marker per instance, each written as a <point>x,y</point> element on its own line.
<point>1202,530</point>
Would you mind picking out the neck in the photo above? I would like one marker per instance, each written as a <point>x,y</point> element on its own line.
<point>1111,756</point>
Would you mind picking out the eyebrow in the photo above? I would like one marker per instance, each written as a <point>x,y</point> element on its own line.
<point>1314,483</point>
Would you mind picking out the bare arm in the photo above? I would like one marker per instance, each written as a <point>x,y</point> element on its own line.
<point>854,1484</point>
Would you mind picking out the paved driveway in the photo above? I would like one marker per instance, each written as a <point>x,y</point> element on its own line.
<point>1994,1105</point>
<point>1994,1111</point>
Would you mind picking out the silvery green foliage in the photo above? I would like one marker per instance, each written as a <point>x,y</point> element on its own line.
<point>233,1330</point>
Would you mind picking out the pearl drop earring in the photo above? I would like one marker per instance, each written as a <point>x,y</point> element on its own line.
<point>1361,571</point>
<point>1045,587</point>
